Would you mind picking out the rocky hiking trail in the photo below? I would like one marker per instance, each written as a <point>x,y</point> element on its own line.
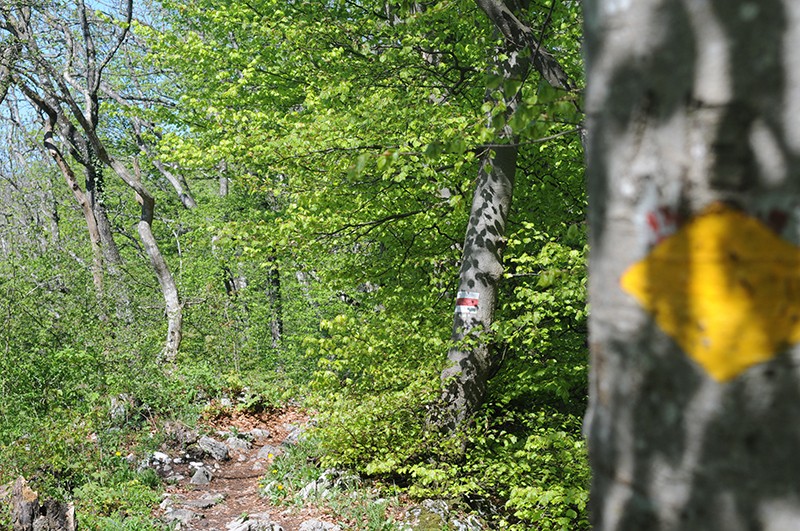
<point>217,481</point>
<point>216,477</point>
<point>214,480</point>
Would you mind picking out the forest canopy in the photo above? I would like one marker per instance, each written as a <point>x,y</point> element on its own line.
<point>375,209</point>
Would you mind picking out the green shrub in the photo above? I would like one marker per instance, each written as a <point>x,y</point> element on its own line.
<point>118,499</point>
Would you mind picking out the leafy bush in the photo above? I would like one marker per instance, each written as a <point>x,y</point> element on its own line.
<point>118,499</point>
<point>525,460</point>
<point>375,377</point>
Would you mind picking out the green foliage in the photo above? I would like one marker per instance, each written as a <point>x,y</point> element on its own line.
<point>351,138</point>
<point>544,494</point>
<point>118,499</point>
<point>540,471</point>
<point>371,392</point>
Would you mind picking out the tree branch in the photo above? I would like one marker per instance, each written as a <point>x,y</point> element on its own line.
<point>519,36</point>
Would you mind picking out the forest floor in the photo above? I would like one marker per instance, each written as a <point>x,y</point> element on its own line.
<point>235,482</point>
<point>235,492</point>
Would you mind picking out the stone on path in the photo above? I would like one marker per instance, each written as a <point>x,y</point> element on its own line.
<point>295,434</point>
<point>237,444</point>
<point>254,522</point>
<point>258,433</point>
<point>268,450</point>
<point>436,514</point>
<point>318,525</point>
<point>214,448</point>
<point>206,501</point>
<point>203,476</point>
<point>181,517</point>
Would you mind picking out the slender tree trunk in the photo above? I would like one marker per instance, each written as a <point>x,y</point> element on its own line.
<point>305,286</point>
<point>88,215</point>
<point>693,164</point>
<point>94,191</point>
<point>224,180</point>
<point>169,289</point>
<point>173,307</point>
<point>275,303</point>
<point>113,260</point>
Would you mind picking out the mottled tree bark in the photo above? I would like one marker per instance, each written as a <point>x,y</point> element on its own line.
<point>471,360</point>
<point>481,270</point>
<point>692,119</point>
<point>275,299</point>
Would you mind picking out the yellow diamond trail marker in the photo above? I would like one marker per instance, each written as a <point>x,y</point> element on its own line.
<point>725,288</point>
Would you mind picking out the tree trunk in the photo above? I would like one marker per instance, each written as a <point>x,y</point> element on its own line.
<point>94,179</point>
<point>693,157</point>
<point>471,362</point>
<point>481,270</point>
<point>94,190</point>
<point>27,514</point>
<point>173,307</point>
<point>275,303</point>
<point>88,215</point>
<point>169,290</point>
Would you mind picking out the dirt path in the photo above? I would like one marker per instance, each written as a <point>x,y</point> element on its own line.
<point>233,490</point>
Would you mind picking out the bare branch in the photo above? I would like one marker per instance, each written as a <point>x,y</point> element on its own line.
<point>120,39</point>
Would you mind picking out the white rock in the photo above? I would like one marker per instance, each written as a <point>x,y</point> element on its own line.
<point>184,516</point>
<point>254,522</point>
<point>268,450</point>
<point>161,457</point>
<point>318,525</point>
<point>203,476</point>
<point>258,433</point>
<point>213,447</point>
<point>237,444</point>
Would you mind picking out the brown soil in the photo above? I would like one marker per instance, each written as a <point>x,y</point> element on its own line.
<point>237,479</point>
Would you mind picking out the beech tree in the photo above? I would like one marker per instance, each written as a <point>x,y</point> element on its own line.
<point>471,360</point>
<point>693,156</point>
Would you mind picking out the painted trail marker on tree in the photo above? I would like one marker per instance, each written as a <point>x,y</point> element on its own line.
<point>467,302</point>
<point>725,287</point>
